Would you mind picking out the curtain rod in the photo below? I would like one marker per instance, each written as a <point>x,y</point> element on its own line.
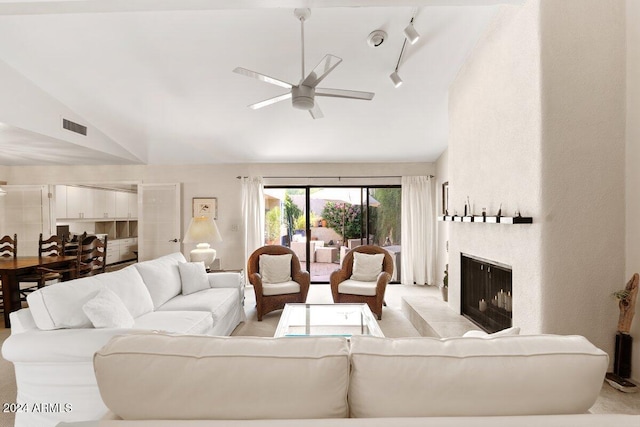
<point>326,177</point>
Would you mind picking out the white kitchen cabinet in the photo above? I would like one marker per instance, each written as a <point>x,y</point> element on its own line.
<point>79,202</point>
<point>126,204</point>
<point>104,203</point>
<point>133,205</point>
<point>61,201</point>
<point>122,204</point>
<point>120,250</point>
<point>113,251</point>
<point>93,203</point>
<point>99,203</point>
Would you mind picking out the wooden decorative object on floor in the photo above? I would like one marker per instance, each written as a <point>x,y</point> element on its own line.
<point>618,379</point>
<point>627,305</point>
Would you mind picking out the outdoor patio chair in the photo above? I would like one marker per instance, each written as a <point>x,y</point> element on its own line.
<point>367,282</point>
<point>276,281</point>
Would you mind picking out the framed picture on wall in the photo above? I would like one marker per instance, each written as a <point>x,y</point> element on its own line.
<point>445,198</point>
<point>205,206</point>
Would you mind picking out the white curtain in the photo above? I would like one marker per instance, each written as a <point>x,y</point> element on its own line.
<point>253,214</point>
<point>418,231</point>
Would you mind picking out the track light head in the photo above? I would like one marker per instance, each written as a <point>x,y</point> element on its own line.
<point>411,34</point>
<point>395,78</point>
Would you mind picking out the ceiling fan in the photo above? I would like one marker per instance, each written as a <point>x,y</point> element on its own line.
<point>303,94</point>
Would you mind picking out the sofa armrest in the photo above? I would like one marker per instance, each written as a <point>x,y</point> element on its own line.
<point>46,346</point>
<point>22,321</point>
<point>227,280</point>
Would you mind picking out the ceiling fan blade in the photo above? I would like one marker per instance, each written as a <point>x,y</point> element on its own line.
<point>262,77</point>
<point>316,112</point>
<point>342,93</point>
<point>328,63</point>
<point>270,101</point>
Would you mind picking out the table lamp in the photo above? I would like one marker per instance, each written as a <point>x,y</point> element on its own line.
<point>202,230</point>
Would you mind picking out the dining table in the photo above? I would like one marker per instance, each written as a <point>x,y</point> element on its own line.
<point>12,268</point>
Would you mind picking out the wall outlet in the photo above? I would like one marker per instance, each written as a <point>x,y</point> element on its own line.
<point>234,227</point>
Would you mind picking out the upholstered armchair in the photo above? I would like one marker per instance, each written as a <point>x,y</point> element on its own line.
<point>277,279</point>
<point>364,275</point>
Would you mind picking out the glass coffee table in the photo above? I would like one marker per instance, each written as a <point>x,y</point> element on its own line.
<point>304,320</point>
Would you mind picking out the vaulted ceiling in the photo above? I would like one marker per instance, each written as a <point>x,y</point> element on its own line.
<point>157,79</point>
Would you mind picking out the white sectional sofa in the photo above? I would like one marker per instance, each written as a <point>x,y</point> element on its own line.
<point>53,342</point>
<point>197,381</point>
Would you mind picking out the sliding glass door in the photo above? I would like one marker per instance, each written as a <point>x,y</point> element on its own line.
<point>320,224</point>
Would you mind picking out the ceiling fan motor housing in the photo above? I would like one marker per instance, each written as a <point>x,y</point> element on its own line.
<point>302,97</point>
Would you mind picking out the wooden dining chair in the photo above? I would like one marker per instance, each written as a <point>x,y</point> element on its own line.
<point>9,246</point>
<point>53,246</point>
<point>71,245</point>
<point>7,250</point>
<point>92,256</point>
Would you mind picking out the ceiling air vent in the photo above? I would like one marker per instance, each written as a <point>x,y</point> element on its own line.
<point>74,127</point>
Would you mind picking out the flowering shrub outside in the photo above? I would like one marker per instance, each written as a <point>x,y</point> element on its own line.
<point>343,218</point>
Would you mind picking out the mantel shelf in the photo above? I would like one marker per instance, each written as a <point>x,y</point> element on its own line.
<point>488,219</point>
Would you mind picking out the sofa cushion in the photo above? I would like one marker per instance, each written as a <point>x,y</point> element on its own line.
<point>60,305</point>
<point>356,287</point>
<point>128,285</point>
<point>198,377</point>
<point>161,276</point>
<point>275,268</point>
<point>176,322</point>
<point>193,276</point>
<point>366,267</point>
<point>106,310</point>
<point>216,302</point>
<point>511,375</point>
<point>289,287</point>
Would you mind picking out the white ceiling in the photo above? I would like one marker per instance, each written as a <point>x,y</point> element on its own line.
<point>160,82</point>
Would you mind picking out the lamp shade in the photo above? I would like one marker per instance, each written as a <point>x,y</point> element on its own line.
<point>202,230</point>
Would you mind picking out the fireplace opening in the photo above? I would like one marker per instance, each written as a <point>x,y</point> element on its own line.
<point>487,295</point>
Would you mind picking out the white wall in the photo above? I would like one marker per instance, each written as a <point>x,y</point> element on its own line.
<point>583,143</point>
<point>537,124</point>
<point>633,166</point>
<point>442,228</point>
<point>218,181</point>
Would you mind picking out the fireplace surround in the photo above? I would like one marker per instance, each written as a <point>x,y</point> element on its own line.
<point>486,292</point>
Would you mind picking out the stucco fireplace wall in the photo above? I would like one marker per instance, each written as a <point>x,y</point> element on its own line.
<point>537,125</point>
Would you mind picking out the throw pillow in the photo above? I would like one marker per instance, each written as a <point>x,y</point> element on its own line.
<point>106,310</point>
<point>275,268</point>
<point>514,330</point>
<point>193,276</point>
<point>366,267</point>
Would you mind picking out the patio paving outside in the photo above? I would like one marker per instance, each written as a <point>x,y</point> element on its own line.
<point>320,271</point>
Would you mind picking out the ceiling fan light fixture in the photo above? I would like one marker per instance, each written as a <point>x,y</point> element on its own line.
<point>302,103</point>
<point>411,34</point>
<point>302,97</point>
<point>395,78</point>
